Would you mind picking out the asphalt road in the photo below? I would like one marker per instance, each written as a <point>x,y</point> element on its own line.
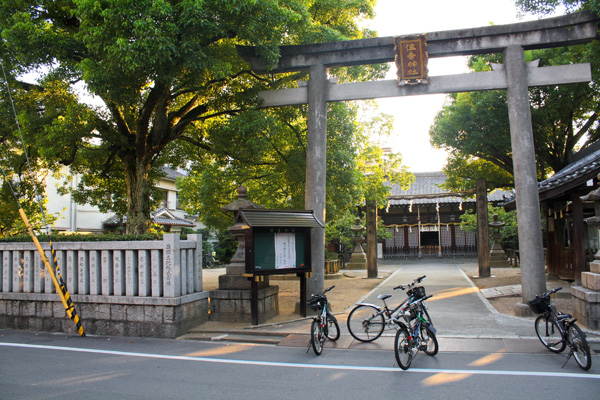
<point>59,366</point>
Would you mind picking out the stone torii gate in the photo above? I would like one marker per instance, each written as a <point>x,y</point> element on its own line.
<point>515,76</point>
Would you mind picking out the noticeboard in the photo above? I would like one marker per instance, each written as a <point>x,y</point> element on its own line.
<point>277,250</point>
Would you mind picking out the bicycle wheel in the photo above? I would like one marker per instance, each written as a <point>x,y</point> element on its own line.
<point>581,349</point>
<point>548,332</point>
<point>429,341</point>
<point>365,323</point>
<point>403,348</point>
<point>332,326</point>
<point>317,338</point>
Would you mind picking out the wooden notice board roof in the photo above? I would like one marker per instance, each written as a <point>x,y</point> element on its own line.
<point>279,218</point>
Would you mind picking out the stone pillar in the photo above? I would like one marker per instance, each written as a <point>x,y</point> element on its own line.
<point>197,262</point>
<point>316,169</point>
<point>171,266</point>
<point>483,235</point>
<point>533,278</point>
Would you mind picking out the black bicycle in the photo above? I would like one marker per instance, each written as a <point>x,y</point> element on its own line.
<point>366,322</point>
<point>556,331</point>
<point>415,335</point>
<point>324,325</point>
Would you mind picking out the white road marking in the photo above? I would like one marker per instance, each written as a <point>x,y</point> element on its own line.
<point>310,366</point>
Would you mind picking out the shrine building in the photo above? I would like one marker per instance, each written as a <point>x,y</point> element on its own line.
<point>424,220</point>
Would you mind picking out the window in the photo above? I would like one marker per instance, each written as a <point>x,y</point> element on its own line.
<point>164,201</point>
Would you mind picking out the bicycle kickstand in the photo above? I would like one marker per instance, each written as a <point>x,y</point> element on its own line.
<point>569,356</point>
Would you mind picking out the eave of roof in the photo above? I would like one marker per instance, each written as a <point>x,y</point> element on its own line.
<point>426,190</point>
<point>279,218</point>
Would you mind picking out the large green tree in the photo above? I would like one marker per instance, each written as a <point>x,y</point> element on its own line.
<point>166,72</point>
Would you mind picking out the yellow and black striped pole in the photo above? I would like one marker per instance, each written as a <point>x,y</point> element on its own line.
<point>61,288</point>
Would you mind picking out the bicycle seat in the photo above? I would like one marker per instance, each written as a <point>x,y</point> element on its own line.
<point>564,316</point>
<point>384,296</point>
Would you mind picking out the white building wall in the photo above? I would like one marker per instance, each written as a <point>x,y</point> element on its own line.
<point>73,217</point>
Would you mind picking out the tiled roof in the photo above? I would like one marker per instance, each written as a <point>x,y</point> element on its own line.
<point>161,217</point>
<point>171,173</point>
<point>586,167</point>
<point>425,190</point>
<point>589,164</point>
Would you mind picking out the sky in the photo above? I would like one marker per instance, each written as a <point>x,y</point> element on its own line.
<point>414,115</point>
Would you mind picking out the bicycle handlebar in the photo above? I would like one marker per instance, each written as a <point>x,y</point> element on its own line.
<point>410,285</point>
<point>328,289</point>
<point>548,293</point>
<point>322,294</point>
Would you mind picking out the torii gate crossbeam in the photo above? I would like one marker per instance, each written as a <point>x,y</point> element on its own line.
<point>514,76</point>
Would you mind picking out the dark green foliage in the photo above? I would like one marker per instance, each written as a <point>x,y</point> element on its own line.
<point>84,238</point>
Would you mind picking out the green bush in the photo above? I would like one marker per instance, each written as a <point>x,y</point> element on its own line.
<point>509,238</point>
<point>109,237</point>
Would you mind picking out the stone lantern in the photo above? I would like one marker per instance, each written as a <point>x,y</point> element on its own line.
<point>232,301</point>
<point>497,256</point>
<point>233,278</point>
<point>358,260</point>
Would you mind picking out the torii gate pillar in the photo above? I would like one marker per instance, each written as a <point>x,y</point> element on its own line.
<point>316,170</point>
<point>533,279</point>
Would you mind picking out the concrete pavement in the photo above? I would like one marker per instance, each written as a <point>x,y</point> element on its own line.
<point>464,319</point>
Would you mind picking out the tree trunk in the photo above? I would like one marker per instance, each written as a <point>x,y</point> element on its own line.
<point>137,176</point>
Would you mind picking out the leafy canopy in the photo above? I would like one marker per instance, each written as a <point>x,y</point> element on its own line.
<point>474,128</point>
<point>165,73</point>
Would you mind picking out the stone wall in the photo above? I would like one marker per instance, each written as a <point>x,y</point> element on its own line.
<point>234,305</point>
<point>587,297</point>
<point>145,288</point>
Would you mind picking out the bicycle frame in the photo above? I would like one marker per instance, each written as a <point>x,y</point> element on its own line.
<point>321,318</point>
<point>393,314</point>
<point>385,310</point>
<point>415,328</point>
<point>562,323</point>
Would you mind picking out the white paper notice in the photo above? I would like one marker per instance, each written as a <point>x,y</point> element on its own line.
<point>285,250</point>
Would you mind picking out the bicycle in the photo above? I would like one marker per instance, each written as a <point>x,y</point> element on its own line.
<point>556,330</point>
<point>324,325</point>
<point>366,322</point>
<point>414,336</point>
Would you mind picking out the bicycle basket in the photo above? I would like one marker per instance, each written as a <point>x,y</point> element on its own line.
<point>539,305</point>
<point>315,303</point>
<point>418,292</point>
